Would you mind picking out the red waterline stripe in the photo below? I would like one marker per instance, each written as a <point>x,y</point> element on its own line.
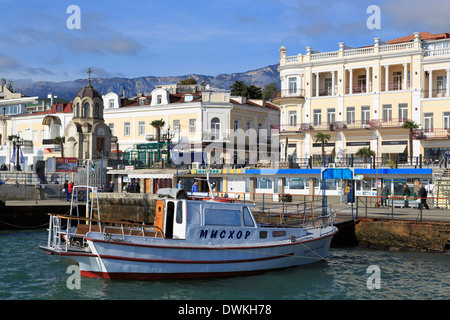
<point>171,276</point>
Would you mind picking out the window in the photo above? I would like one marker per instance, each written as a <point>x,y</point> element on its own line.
<point>26,134</point>
<point>296,184</point>
<point>86,110</point>
<point>292,118</point>
<point>350,115</point>
<point>176,126</point>
<point>42,135</point>
<point>236,125</point>
<point>248,125</point>
<point>248,221</point>
<point>215,128</point>
<point>222,217</point>
<point>387,112</point>
<point>35,136</point>
<point>428,122</point>
<point>446,122</point>
<point>264,183</point>
<point>179,214</point>
<point>441,85</point>
<point>397,78</point>
<point>292,85</point>
<point>126,129</point>
<point>361,83</point>
<point>328,87</point>
<point>158,99</point>
<point>365,114</point>
<point>317,117</point>
<point>192,126</point>
<point>331,116</point>
<point>141,128</point>
<point>111,103</point>
<point>111,127</point>
<point>403,112</point>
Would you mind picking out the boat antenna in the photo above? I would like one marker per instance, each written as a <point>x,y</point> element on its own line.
<point>209,186</point>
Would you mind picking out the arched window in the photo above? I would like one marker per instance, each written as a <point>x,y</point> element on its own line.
<point>215,128</point>
<point>86,110</point>
<point>96,110</point>
<point>78,111</point>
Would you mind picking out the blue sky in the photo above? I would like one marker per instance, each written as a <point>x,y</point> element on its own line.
<point>177,37</point>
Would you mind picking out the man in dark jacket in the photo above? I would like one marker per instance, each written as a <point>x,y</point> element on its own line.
<point>422,193</point>
<point>406,194</point>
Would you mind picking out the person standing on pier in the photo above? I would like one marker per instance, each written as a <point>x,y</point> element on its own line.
<point>422,193</point>
<point>384,196</point>
<point>66,189</point>
<point>69,189</point>
<point>406,194</point>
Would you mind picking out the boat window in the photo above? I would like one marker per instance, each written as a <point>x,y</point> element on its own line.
<point>193,209</point>
<point>179,216</point>
<point>278,233</point>
<point>221,217</point>
<point>263,234</point>
<point>248,221</point>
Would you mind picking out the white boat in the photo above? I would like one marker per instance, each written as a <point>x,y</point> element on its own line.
<point>189,239</point>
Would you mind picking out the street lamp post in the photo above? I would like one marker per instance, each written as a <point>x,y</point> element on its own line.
<point>17,143</point>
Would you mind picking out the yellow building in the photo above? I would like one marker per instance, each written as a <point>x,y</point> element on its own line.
<point>209,121</point>
<point>362,97</point>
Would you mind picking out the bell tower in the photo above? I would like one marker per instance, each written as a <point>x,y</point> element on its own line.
<point>87,135</point>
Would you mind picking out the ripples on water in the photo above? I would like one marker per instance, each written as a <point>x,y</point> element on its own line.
<point>28,273</point>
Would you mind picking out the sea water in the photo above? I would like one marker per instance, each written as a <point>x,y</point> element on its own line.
<point>28,273</point>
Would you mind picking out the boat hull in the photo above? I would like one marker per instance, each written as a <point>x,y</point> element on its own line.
<point>174,259</point>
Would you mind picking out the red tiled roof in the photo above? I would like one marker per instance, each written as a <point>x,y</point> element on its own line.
<point>424,36</point>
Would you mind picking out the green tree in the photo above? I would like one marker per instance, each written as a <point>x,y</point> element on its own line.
<point>187,81</point>
<point>239,88</point>
<point>60,140</point>
<point>158,124</point>
<point>410,125</point>
<point>322,138</point>
<point>365,153</point>
<point>269,90</point>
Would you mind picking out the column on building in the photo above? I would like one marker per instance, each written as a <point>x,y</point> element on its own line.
<point>351,81</point>
<point>430,84</point>
<point>317,84</point>
<point>405,76</point>
<point>447,89</point>
<point>386,78</point>
<point>368,79</point>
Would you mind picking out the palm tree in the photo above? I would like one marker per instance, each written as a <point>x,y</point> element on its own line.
<point>410,125</point>
<point>60,140</point>
<point>322,138</point>
<point>158,124</point>
<point>364,153</point>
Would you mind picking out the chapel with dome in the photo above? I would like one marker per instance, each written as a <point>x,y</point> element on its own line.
<point>87,135</point>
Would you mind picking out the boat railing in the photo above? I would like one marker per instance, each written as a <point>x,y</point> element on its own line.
<point>65,235</point>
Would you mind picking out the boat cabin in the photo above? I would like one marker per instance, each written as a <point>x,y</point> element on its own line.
<point>176,213</point>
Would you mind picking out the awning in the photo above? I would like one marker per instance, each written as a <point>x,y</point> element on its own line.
<point>352,149</point>
<point>393,148</point>
<point>291,151</point>
<point>328,150</point>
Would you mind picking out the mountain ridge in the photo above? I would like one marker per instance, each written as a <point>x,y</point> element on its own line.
<point>145,84</point>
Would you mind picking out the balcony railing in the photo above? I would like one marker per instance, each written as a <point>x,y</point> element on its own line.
<point>435,93</point>
<point>215,136</point>
<point>323,92</point>
<point>431,134</point>
<point>395,86</point>
<point>358,89</point>
<point>344,125</point>
<point>289,93</point>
